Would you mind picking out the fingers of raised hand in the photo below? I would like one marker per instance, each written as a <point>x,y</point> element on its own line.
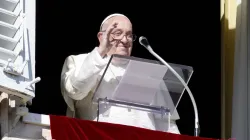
<point>110,29</point>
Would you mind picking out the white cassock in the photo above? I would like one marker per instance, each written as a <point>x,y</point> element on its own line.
<point>79,78</point>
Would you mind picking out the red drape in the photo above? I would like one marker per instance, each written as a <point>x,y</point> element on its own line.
<point>65,128</point>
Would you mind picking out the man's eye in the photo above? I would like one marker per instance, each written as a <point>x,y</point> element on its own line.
<point>130,35</point>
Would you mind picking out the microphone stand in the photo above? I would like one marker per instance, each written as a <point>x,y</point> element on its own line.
<point>148,47</point>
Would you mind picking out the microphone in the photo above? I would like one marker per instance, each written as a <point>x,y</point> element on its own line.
<point>144,42</point>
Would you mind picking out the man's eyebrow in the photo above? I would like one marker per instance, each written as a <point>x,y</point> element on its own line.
<point>117,29</point>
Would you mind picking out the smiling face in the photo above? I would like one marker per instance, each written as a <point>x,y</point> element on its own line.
<point>121,37</point>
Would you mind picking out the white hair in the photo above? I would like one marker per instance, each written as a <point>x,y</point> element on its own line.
<point>110,16</point>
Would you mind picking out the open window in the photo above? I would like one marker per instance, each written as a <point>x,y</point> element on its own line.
<point>17,48</point>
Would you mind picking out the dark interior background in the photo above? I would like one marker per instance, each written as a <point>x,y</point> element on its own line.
<point>182,32</point>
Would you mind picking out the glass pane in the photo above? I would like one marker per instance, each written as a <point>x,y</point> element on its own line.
<point>142,81</point>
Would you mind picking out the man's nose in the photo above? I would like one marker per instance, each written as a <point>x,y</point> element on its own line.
<point>124,39</point>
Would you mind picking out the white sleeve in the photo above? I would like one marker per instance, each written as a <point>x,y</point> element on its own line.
<point>162,125</point>
<point>173,127</point>
<point>80,76</point>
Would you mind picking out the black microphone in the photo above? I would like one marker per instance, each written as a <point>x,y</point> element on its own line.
<point>144,42</point>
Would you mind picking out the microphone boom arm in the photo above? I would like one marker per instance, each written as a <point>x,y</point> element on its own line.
<point>197,129</point>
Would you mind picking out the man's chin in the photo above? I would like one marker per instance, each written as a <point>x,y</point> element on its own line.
<point>123,53</point>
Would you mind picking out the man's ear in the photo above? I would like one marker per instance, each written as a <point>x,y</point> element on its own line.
<point>100,36</point>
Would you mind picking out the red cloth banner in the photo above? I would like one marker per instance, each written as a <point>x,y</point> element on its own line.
<point>65,128</point>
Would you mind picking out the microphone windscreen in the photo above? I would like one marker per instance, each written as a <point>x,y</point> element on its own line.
<point>143,41</point>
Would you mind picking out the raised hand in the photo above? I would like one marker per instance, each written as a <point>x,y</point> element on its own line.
<point>105,44</point>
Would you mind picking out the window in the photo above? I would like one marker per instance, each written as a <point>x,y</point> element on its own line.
<point>17,48</point>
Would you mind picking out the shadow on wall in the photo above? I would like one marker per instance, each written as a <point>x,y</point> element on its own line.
<point>227,46</point>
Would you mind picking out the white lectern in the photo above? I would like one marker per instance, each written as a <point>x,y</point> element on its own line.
<point>141,84</point>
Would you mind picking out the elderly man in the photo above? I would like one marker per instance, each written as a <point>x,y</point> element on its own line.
<point>81,74</point>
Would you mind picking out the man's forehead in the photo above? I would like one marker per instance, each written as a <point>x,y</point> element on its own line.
<point>121,19</point>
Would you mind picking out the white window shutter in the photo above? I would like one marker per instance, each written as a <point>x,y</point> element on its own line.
<point>17,48</point>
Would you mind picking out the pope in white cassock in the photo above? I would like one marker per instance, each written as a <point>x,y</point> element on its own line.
<point>81,74</point>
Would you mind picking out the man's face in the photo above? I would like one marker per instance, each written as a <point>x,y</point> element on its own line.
<point>121,37</point>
